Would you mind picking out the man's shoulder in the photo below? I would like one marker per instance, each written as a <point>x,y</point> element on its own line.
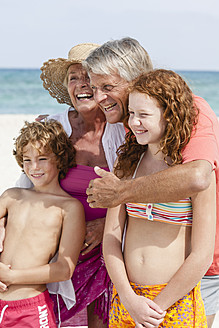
<point>206,113</point>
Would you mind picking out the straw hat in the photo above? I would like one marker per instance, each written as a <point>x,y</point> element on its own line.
<point>54,71</point>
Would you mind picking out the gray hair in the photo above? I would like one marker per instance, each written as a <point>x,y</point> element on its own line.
<point>125,57</point>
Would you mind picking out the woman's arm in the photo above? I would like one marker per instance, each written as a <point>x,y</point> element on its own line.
<point>72,238</point>
<point>141,309</point>
<point>202,248</point>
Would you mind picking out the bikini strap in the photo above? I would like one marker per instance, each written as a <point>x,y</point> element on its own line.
<point>136,169</point>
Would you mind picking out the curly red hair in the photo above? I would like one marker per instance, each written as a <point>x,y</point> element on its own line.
<point>176,99</point>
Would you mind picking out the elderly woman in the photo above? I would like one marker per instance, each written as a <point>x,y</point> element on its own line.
<point>95,142</point>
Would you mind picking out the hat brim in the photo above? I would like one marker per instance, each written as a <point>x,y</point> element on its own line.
<point>53,74</point>
<point>54,71</point>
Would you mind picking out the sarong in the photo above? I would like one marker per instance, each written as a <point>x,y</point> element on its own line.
<point>187,312</point>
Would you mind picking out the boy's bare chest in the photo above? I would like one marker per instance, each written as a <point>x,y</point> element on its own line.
<point>33,231</point>
<point>34,215</point>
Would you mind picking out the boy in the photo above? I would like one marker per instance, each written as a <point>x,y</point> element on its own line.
<point>40,222</point>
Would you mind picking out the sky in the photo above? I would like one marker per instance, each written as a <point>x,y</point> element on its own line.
<point>178,34</point>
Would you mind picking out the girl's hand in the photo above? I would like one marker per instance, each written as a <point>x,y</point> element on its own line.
<point>94,234</point>
<point>144,312</point>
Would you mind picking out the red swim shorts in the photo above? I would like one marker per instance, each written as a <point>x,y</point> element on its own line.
<point>34,312</point>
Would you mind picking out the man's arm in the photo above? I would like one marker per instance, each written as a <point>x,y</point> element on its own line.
<point>169,185</point>
<point>200,155</point>
<point>72,238</point>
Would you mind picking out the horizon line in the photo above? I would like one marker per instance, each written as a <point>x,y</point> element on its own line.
<point>175,69</point>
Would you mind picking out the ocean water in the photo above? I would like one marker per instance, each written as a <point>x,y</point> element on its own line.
<point>205,85</point>
<point>22,92</point>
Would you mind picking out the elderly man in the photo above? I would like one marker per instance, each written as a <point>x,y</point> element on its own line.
<point>111,68</point>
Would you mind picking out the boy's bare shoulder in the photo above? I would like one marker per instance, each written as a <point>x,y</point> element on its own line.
<point>10,197</point>
<point>12,192</point>
<point>69,202</point>
<point>62,200</point>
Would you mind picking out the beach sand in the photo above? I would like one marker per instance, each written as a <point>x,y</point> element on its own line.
<point>10,126</point>
<point>10,171</point>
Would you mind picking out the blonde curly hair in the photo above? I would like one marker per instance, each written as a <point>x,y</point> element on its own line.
<point>52,137</point>
<point>176,99</point>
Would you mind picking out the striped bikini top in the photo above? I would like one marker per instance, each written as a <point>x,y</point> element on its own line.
<point>179,212</point>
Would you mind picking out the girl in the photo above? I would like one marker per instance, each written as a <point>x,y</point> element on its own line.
<point>168,247</point>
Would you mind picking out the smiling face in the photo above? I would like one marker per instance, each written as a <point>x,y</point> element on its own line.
<point>79,88</point>
<point>110,93</point>
<point>146,119</point>
<point>40,167</point>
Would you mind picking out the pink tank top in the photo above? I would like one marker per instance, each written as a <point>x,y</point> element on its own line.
<point>75,184</point>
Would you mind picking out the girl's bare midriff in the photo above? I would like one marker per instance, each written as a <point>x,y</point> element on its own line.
<point>154,251</point>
